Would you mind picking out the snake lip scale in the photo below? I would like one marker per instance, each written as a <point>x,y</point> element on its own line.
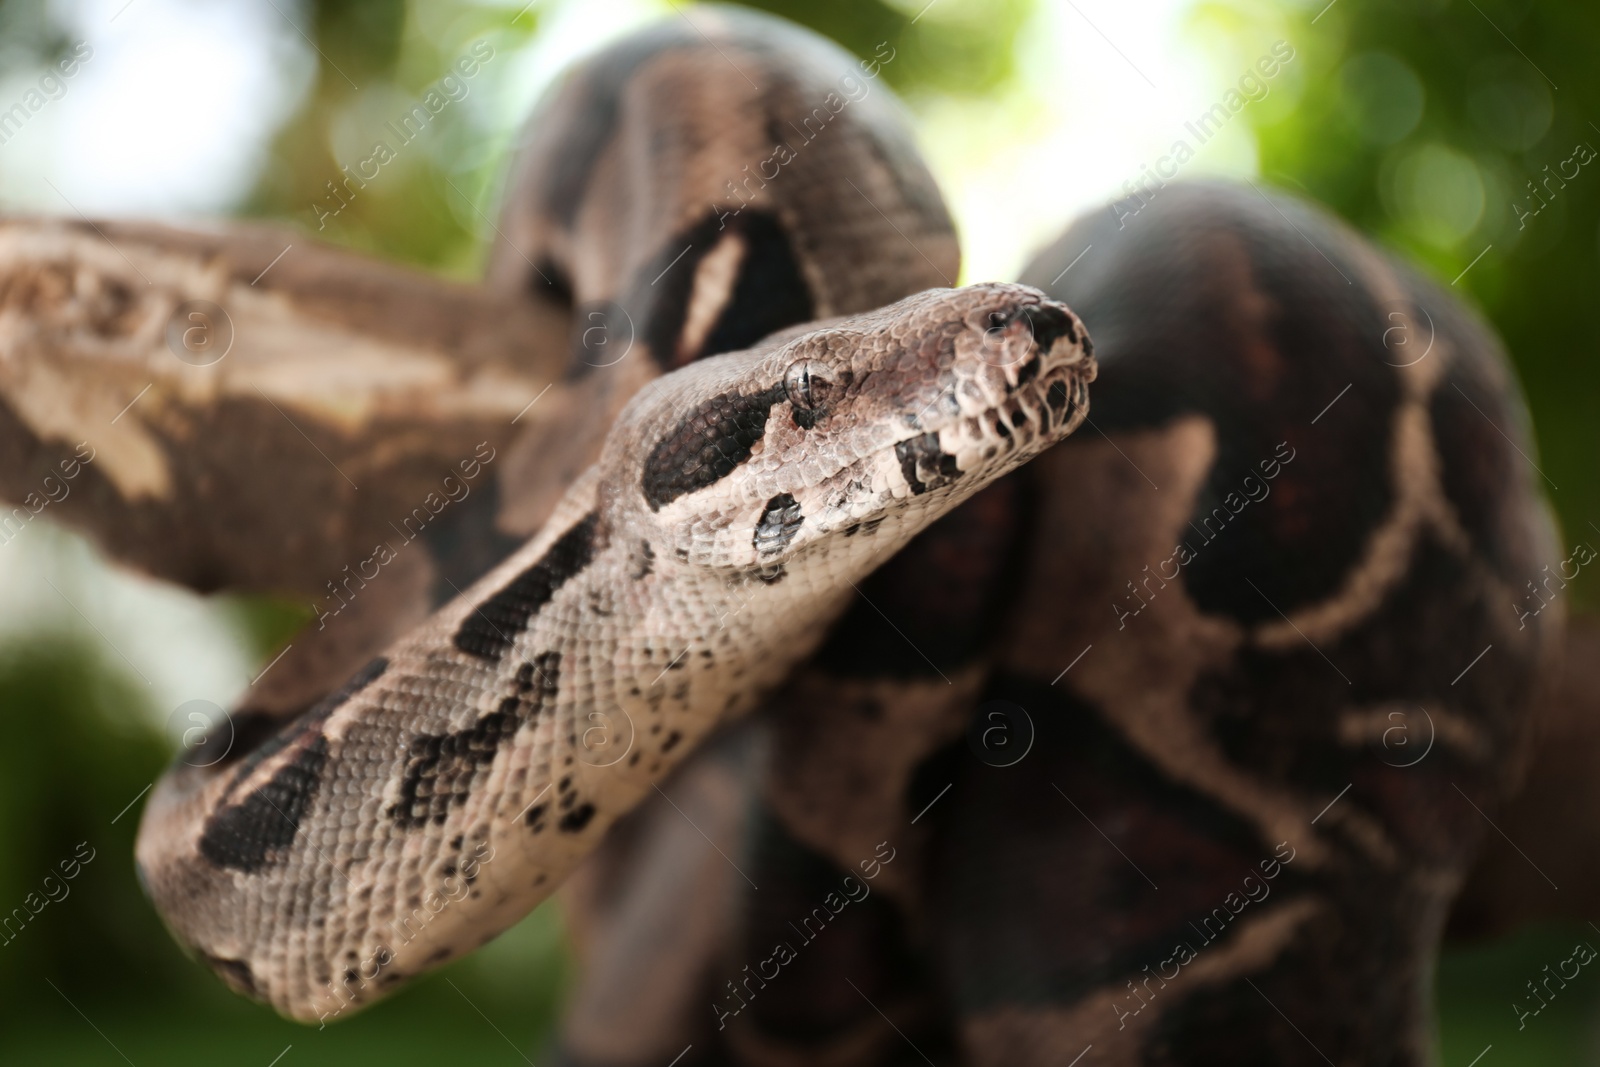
<point>735,505</point>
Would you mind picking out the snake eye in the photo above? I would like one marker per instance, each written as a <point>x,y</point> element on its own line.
<point>809,387</point>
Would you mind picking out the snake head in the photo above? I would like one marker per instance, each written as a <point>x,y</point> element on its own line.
<point>844,438</point>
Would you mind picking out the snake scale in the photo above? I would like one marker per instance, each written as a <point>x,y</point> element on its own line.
<point>1004,762</point>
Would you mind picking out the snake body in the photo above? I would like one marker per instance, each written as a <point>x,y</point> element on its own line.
<point>1278,533</point>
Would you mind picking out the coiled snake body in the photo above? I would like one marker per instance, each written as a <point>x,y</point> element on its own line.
<point>1199,622</point>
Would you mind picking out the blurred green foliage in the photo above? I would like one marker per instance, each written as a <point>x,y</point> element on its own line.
<point>1478,985</point>
<point>28,33</point>
<point>958,48</point>
<point>374,60</point>
<point>81,761</point>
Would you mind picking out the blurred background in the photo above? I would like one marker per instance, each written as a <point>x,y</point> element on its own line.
<point>1423,122</point>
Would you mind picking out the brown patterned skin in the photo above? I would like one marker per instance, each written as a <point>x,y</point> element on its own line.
<point>1349,600</point>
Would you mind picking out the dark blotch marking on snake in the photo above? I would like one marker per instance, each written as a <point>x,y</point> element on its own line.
<point>708,445</point>
<point>491,629</point>
<point>576,819</point>
<point>924,465</point>
<point>769,291</point>
<point>525,675</point>
<point>251,834</point>
<point>644,562</point>
<point>867,528</point>
<point>551,282</point>
<point>1057,397</point>
<point>441,769</point>
<point>251,728</point>
<point>780,522</point>
<point>246,836</point>
<point>1048,324</point>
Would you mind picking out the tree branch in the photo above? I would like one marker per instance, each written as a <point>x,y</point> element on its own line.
<point>348,391</point>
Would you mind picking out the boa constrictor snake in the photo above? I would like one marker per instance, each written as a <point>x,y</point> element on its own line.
<point>1198,619</point>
